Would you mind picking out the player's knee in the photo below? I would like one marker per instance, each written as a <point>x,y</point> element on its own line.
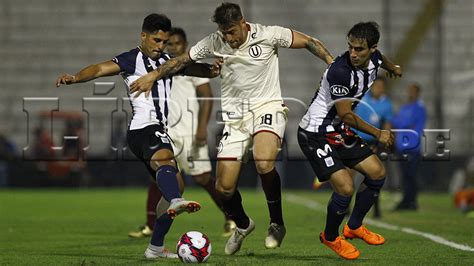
<point>202,179</point>
<point>378,173</point>
<point>346,190</point>
<point>225,192</point>
<point>264,167</point>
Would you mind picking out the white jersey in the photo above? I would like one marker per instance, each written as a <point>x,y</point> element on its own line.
<point>249,74</point>
<point>154,110</point>
<point>184,106</point>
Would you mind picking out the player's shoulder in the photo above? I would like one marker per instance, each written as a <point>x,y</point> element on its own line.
<point>376,58</point>
<point>340,68</point>
<point>130,54</point>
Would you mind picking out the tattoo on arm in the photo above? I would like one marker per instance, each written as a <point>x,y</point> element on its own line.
<point>173,65</point>
<point>319,50</point>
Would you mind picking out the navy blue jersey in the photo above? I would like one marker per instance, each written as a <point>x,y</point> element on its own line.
<point>340,80</point>
<point>154,110</point>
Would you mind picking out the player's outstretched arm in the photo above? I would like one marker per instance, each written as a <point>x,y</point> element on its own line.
<point>344,111</point>
<point>170,67</point>
<point>107,68</point>
<point>393,71</point>
<point>316,47</point>
<point>203,70</point>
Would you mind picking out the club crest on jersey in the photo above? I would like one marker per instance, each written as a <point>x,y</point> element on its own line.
<point>339,90</point>
<point>255,51</point>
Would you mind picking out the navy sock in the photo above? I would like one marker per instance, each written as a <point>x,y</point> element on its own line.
<point>337,209</point>
<point>235,211</point>
<point>271,185</point>
<point>364,201</point>
<point>167,182</point>
<point>162,226</point>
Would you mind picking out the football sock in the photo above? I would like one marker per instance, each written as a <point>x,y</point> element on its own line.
<point>337,209</point>
<point>154,195</point>
<point>210,187</point>
<point>364,200</point>
<point>271,185</point>
<point>234,209</point>
<point>162,226</point>
<point>167,182</point>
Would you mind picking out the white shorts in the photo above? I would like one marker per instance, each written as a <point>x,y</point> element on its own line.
<point>192,161</point>
<point>237,136</point>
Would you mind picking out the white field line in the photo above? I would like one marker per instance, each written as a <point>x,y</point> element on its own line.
<point>314,205</point>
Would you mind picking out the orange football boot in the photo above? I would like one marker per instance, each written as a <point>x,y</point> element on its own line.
<point>363,233</point>
<point>341,246</point>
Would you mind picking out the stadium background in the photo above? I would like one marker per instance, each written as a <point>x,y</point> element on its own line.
<point>432,40</point>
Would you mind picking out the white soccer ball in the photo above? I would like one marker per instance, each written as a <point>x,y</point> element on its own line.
<point>194,247</point>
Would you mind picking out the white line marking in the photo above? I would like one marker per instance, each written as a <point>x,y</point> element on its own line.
<point>314,205</point>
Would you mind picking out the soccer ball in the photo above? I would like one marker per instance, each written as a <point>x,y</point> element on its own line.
<point>193,247</point>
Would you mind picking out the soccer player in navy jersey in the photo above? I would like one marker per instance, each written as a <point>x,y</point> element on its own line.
<point>147,133</point>
<point>331,146</point>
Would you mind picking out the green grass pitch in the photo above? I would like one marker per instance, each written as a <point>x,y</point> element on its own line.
<point>89,227</point>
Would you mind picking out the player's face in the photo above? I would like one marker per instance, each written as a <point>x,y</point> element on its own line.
<point>176,45</point>
<point>153,44</point>
<point>360,52</point>
<point>412,93</point>
<point>236,34</point>
<point>378,89</point>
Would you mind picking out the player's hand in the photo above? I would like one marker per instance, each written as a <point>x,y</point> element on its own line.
<point>216,67</point>
<point>65,79</point>
<point>201,138</point>
<point>395,73</point>
<point>387,138</point>
<point>143,84</point>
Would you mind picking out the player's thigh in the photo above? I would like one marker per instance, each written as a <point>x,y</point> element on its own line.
<point>227,175</point>
<point>371,167</point>
<point>266,146</point>
<point>341,182</point>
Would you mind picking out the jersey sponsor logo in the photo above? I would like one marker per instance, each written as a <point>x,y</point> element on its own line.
<point>254,35</point>
<point>162,136</point>
<point>255,51</point>
<point>323,153</point>
<point>339,90</point>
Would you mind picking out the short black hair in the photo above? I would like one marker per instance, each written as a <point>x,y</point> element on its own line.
<point>227,14</point>
<point>368,31</point>
<point>155,22</point>
<point>180,32</point>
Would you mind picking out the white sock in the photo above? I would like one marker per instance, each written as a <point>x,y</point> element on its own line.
<point>156,249</point>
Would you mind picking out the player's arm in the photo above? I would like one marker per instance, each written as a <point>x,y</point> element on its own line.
<point>203,70</point>
<point>316,47</point>
<point>205,108</point>
<point>344,111</point>
<point>107,68</point>
<point>392,69</point>
<point>170,67</point>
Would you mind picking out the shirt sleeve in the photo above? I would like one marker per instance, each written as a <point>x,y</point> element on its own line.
<point>280,36</point>
<point>203,49</point>
<point>339,79</point>
<point>377,58</point>
<point>126,61</point>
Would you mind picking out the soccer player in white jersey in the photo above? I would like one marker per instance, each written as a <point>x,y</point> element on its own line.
<point>146,135</point>
<point>332,147</point>
<point>252,107</point>
<point>187,126</point>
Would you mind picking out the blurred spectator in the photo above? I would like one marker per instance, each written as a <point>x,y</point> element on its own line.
<point>411,116</point>
<point>462,185</point>
<point>7,154</point>
<point>375,108</point>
